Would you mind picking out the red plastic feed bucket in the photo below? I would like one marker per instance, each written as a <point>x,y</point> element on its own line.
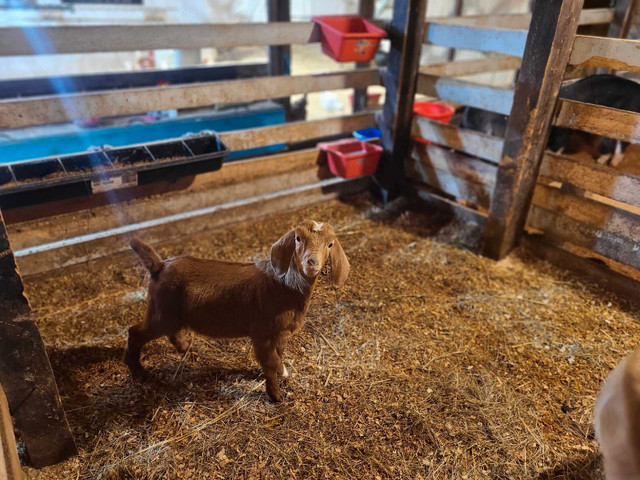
<point>349,38</point>
<point>434,111</point>
<point>351,158</point>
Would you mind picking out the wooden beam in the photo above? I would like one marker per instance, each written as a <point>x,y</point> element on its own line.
<point>475,143</point>
<point>457,12</point>
<point>609,122</point>
<point>560,225</point>
<point>590,268</point>
<point>25,371</point>
<point>486,97</point>
<point>125,38</point>
<point>500,40</point>
<point>470,67</point>
<point>74,251</point>
<point>400,77</point>
<point>280,56</point>
<point>612,53</point>
<point>366,9</point>
<point>9,462</point>
<point>622,18</point>
<point>460,176</point>
<point>600,179</point>
<point>585,210</point>
<point>521,21</point>
<point>296,131</point>
<point>545,58</point>
<point>64,108</point>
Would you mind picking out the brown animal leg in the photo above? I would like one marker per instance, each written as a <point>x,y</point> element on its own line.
<point>180,341</point>
<point>270,362</point>
<point>139,335</point>
<point>280,345</point>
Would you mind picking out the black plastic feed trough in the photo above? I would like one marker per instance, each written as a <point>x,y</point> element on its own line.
<point>99,170</point>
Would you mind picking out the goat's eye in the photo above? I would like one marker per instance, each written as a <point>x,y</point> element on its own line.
<point>297,238</point>
<point>331,245</point>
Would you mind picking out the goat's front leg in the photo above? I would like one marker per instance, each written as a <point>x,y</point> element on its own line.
<point>281,343</point>
<point>270,361</point>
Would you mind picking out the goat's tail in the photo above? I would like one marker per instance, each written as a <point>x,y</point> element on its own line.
<point>148,256</point>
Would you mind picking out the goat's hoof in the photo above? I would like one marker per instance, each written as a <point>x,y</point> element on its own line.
<point>284,373</point>
<point>139,374</point>
<point>276,397</point>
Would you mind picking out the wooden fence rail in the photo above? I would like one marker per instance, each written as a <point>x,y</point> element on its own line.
<point>610,122</point>
<point>486,97</point>
<point>615,53</point>
<point>123,38</point>
<point>63,108</point>
<point>475,143</point>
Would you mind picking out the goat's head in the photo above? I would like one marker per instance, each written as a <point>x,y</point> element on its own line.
<point>309,246</point>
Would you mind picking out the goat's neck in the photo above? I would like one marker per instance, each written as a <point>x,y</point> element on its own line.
<point>295,280</point>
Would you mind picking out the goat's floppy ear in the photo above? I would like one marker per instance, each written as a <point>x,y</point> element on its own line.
<point>339,264</point>
<point>282,251</point>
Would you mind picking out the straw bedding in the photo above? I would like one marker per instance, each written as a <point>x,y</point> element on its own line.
<point>432,362</point>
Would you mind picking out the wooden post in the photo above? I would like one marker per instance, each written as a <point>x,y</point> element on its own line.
<point>280,56</point>
<point>406,33</point>
<point>366,10</point>
<point>9,463</point>
<point>547,50</point>
<point>622,18</point>
<point>25,371</point>
<point>457,12</point>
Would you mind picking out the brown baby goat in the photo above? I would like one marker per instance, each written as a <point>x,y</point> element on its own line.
<point>617,420</point>
<point>266,300</point>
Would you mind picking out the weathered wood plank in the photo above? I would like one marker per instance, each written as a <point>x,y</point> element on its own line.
<point>460,176</point>
<point>590,268</point>
<point>82,249</point>
<point>25,371</point>
<point>65,108</point>
<point>470,67</point>
<point>545,58</point>
<point>9,462</point>
<point>613,53</point>
<point>479,144</point>
<point>602,218</point>
<point>559,228</point>
<point>296,131</point>
<point>400,79</point>
<point>486,97</point>
<point>595,178</point>
<point>609,122</point>
<point>499,40</point>
<point>521,21</point>
<point>234,181</point>
<point>124,38</point>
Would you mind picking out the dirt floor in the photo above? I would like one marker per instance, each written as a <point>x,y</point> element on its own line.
<point>431,363</point>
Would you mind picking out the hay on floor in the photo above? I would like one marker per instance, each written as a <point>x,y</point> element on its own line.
<point>432,362</point>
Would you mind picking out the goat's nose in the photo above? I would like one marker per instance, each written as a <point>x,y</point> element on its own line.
<point>312,262</point>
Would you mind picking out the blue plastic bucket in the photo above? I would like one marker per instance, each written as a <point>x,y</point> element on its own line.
<point>366,133</point>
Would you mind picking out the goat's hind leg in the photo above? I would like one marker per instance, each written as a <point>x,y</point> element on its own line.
<point>139,336</point>
<point>180,341</point>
